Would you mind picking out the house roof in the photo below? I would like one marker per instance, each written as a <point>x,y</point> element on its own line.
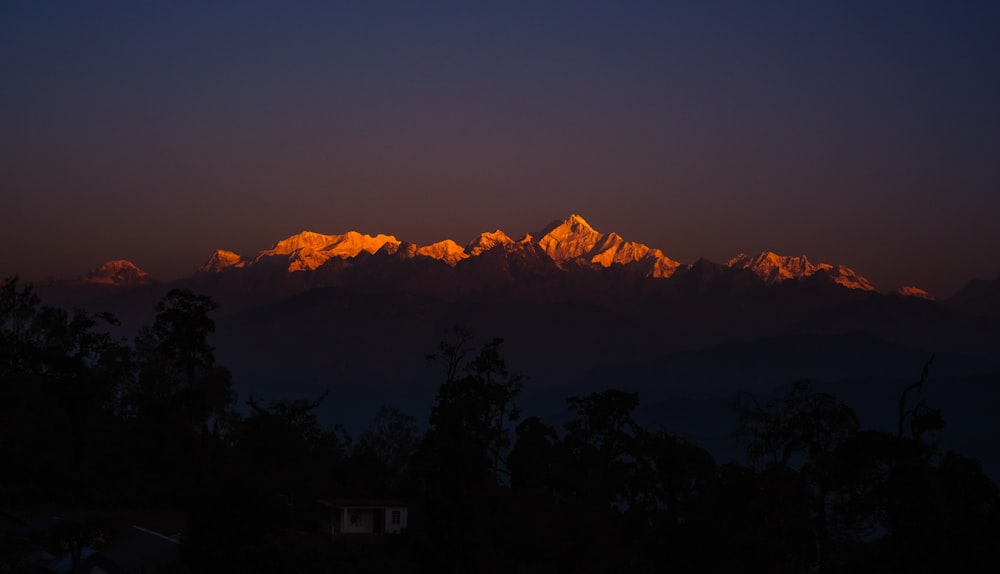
<point>361,503</point>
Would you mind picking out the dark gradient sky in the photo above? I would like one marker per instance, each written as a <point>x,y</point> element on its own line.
<point>863,133</point>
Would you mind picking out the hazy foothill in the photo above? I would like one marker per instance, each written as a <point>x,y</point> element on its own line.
<point>568,401</point>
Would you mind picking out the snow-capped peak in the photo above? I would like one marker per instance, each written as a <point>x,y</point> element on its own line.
<point>569,243</point>
<point>309,250</point>
<point>913,291</point>
<point>574,238</point>
<point>447,251</point>
<point>222,259</point>
<point>774,268</point>
<point>570,239</point>
<point>487,241</point>
<point>120,272</point>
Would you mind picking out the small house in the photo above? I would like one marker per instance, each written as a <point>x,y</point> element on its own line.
<point>364,516</point>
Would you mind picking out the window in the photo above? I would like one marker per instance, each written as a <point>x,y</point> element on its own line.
<point>395,517</point>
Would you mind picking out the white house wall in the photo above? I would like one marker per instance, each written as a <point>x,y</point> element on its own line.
<point>389,526</point>
<point>363,524</point>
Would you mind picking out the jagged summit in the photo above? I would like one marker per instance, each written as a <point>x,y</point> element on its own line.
<point>119,272</point>
<point>574,239</point>
<point>221,260</point>
<point>308,250</point>
<point>568,243</point>
<point>447,251</point>
<point>568,240</point>
<point>845,277</point>
<point>487,241</point>
<point>303,240</point>
<point>774,268</point>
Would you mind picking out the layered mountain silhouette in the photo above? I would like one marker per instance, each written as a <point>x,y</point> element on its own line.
<point>566,260</point>
<point>980,297</point>
<point>354,314</point>
<point>571,244</point>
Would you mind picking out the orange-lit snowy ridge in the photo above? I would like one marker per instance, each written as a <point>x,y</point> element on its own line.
<point>774,268</point>
<point>571,242</point>
<point>120,272</point>
<point>911,291</point>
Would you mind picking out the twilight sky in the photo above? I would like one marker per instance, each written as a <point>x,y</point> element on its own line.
<point>862,133</point>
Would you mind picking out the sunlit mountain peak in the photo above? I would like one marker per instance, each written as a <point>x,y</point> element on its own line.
<point>221,260</point>
<point>404,249</point>
<point>305,239</point>
<point>845,277</point>
<point>611,248</point>
<point>565,244</point>
<point>574,238</point>
<point>570,239</point>
<point>487,241</point>
<point>447,251</point>
<point>309,250</point>
<point>352,243</point>
<point>120,272</point>
<point>578,220</point>
<point>774,268</point>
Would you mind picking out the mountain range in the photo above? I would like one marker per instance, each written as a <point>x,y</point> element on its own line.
<point>571,245</point>
<point>567,260</point>
<point>580,310</point>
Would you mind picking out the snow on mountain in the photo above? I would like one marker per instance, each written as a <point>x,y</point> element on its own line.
<point>221,260</point>
<point>845,277</point>
<point>403,249</point>
<point>309,250</point>
<point>912,291</point>
<point>570,239</point>
<point>120,272</point>
<point>304,240</point>
<point>487,241</point>
<point>576,239</point>
<point>774,268</point>
<point>447,251</point>
<point>565,244</point>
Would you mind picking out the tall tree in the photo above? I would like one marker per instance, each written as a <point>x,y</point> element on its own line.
<point>461,461</point>
<point>476,405</point>
<point>60,377</point>
<point>177,363</point>
<point>18,306</point>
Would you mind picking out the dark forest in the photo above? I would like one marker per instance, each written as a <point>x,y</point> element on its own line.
<point>94,427</point>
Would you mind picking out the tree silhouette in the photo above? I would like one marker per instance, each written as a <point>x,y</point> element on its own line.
<point>803,422</point>
<point>477,406</point>
<point>60,378</point>
<point>381,458</point>
<point>461,461</point>
<point>176,363</point>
